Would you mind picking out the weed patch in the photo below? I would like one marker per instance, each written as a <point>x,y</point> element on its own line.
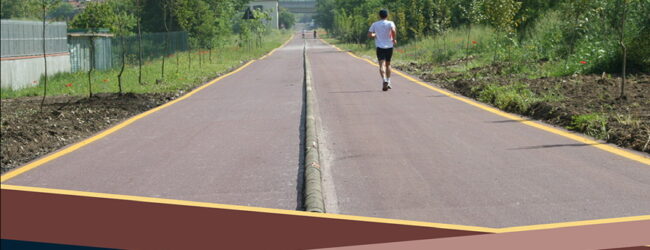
<point>591,124</point>
<point>517,97</point>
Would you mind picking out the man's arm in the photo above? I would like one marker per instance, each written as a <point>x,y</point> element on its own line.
<point>393,34</point>
<point>371,35</point>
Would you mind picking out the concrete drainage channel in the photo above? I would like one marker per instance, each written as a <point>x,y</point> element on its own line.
<point>313,183</point>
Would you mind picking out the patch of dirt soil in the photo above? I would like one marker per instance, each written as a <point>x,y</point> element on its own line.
<point>28,133</point>
<point>628,119</point>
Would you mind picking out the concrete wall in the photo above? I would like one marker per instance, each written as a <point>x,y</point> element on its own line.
<point>21,73</point>
<point>21,57</point>
<point>267,6</point>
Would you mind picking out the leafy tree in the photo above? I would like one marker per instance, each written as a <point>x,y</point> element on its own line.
<point>183,13</point>
<point>63,12</point>
<point>96,15</point>
<point>416,20</point>
<point>577,11</point>
<point>224,12</point>
<point>200,23</point>
<point>462,12</point>
<point>530,12</point>
<point>639,35</point>
<point>325,14</point>
<point>500,14</point>
<point>196,17</point>
<point>20,9</point>
<point>287,19</point>
<point>252,30</point>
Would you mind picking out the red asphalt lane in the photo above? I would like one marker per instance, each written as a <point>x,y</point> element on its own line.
<point>412,153</point>
<point>235,142</point>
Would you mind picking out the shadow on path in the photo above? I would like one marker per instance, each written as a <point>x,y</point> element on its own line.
<point>555,146</point>
<point>512,121</point>
<point>300,179</point>
<point>353,92</point>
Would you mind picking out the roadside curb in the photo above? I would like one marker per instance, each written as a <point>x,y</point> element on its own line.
<point>313,193</point>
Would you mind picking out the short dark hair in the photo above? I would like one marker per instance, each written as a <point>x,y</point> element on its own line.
<point>383,13</point>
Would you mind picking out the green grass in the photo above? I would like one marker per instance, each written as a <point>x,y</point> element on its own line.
<point>449,52</point>
<point>540,54</point>
<point>593,124</point>
<point>183,76</point>
<point>440,49</point>
<point>515,97</point>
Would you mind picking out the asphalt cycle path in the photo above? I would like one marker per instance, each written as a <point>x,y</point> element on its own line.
<point>236,142</point>
<point>416,154</point>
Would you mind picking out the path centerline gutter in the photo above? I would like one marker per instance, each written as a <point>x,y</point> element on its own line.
<point>314,201</point>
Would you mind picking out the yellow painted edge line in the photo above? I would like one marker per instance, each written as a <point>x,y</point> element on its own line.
<point>572,224</point>
<point>321,215</point>
<point>608,148</point>
<point>119,126</point>
<point>273,51</point>
<point>243,208</point>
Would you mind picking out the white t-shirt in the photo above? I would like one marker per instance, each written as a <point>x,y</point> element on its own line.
<point>382,29</point>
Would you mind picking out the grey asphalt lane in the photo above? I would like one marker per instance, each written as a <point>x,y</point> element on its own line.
<point>412,153</point>
<point>235,142</point>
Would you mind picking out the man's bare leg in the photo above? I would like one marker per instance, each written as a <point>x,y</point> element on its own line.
<point>388,72</point>
<point>382,71</point>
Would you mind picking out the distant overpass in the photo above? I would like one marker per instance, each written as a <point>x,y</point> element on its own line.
<point>300,7</point>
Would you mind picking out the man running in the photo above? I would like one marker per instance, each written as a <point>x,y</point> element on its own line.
<point>384,32</point>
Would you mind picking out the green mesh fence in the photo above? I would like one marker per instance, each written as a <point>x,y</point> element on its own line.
<point>108,49</point>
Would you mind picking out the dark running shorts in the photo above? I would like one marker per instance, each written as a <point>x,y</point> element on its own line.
<point>384,54</point>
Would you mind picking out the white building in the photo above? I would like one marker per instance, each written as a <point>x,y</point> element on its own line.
<point>271,7</point>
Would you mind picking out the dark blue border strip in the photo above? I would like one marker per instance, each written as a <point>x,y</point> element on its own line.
<point>18,244</point>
